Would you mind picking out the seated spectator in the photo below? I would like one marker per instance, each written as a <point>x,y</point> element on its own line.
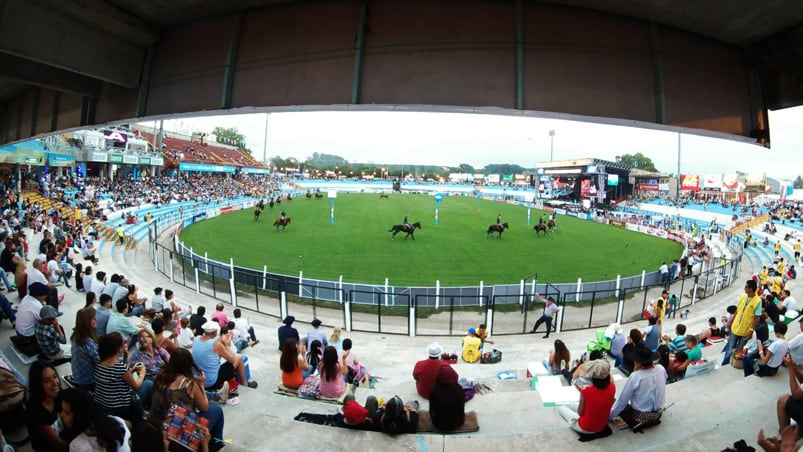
<point>471,346</point>
<point>682,358</point>
<point>580,375</point>
<point>166,338</point>
<point>788,302</point>
<point>790,406</point>
<point>103,313</point>
<point>99,283</point>
<point>158,300</point>
<point>642,399</point>
<point>767,360</point>
<point>652,335</point>
<point>287,331</point>
<point>217,362</point>
<point>711,331</point>
<point>482,333</point>
<point>293,363</point>
<point>91,429</point>
<point>332,371</point>
<point>79,277</point>
<point>316,335</point>
<point>791,273</point>
<point>119,323</point>
<point>357,416</point>
<point>678,343</point>
<point>197,321</point>
<point>314,356</point>
<point>182,381</point>
<point>88,278</point>
<point>244,327</point>
<point>84,349</point>
<point>617,345</point>
<point>240,342</point>
<point>559,359</point>
<point>590,415</point>
<point>219,316</point>
<point>335,340</point>
<point>357,374</point>
<point>447,401</point>
<point>7,311</point>
<point>49,334</point>
<point>153,357</point>
<point>185,335</point>
<point>394,416</point>
<point>43,406</point>
<point>635,340</point>
<point>115,383</point>
<point>136,304</point>
<point>426,371</point>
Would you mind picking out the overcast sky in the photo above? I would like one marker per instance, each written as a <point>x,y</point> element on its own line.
<point>479,139</point>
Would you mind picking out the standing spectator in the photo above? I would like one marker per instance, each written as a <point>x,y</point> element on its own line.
<point>426,371</point>
<point>748,313</point>
<point>674,303</point>
<point>287,331</point>
<point>664,269</point>
<point>550,308</point>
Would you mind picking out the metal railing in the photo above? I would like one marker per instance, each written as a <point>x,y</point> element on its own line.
<point>504,308</point>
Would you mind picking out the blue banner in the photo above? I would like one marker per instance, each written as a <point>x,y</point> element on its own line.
<point>255,171</point>
<point>205,168</point>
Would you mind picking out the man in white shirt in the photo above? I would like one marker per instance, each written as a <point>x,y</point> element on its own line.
<point>35,275</point>
<point>788,301</point>
<point>550,309</point>
<point>643,396</point>
<point>99,283</point>
<point>28,317</point>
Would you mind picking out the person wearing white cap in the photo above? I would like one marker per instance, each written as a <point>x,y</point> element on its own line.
<point>207,353</point>
<point>426,371</point>
<point>590,416</point>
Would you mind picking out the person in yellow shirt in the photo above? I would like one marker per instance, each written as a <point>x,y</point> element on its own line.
<point>777,248</point>
<point>797,250</point>
<point>471,346</point>
<point>748,312</point>
<point>780,265</point>
<point>764,274</point>
<point>777,283</point>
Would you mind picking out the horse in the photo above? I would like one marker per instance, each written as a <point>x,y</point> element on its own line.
<point>308,195</point>
<point>496,228</point>
<point>257,212</point>
<point>283,222</point>
<point>383,196</point>
<point>270,204</point>
<point>408,228</point>
<point>539,228</point>
<point>551,226</point>
<point>318,195</point>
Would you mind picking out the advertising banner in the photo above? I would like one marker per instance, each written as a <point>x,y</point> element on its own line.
<point>690,182</point>
<point>712,182</point>
<point>730,182</point>
<point>649,187</point>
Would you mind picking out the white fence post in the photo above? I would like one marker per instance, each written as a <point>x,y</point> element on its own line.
<point>386,292</point>
<point>579,288</point>
<point>521,292</point>
<point>437,293</point>
<point>300,282</point>
<point>231,283</point>
<point>618,284</point>
<point>480,297</point>
<point>340,291</point>
<point>206,263</point>
<point>283,304</point>
<point>643,277</point>
<point>265,278</point>
<point>197,281</point>
<point>347,312</point>
<point>411,320</point>
<point>170,264</point>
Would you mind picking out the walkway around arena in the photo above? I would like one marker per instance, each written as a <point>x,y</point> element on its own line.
<point>709,412</point>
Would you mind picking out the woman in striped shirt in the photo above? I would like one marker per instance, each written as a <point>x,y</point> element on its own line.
<point>115,382</point>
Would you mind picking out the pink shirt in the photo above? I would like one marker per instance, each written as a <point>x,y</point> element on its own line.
<point>222,319</point>
<point>332,389</point>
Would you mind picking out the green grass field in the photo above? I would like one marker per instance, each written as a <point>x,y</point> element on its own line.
<point>456,251</point>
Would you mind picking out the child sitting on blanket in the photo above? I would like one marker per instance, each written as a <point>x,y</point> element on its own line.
<point>358,374</point>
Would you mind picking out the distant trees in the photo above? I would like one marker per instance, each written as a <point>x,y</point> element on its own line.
<point>230,136</point>
<point>799,182</point>
<point>639,161</point>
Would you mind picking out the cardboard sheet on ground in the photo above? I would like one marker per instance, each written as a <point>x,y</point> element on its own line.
<point>553,393</point>
<point>283,390</point>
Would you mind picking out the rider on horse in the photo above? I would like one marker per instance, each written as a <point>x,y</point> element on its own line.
<point>406,223</point>
<point>284,216</point>
<point>499,218</point>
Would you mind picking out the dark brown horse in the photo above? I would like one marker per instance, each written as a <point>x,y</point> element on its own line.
<point>408,228</point>
<point>539,228</point>
<point>551,226</point>
<point>283,222</point>
<point>257,212</point>
<point>496,228</point>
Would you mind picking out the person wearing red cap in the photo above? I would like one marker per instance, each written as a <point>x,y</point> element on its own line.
<point>357,416</point>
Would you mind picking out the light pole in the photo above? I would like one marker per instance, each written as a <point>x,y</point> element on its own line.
<point>551,144</point>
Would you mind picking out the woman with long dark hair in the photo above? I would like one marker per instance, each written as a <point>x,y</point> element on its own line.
<point>114,381</point>
<point>182,382</point>
<point>43,407</point>
<point>313,357</point>
<point>559,358</point>
<point>93,430</point>
<point>84,346</point>
<point>292,363</point>
<point>332,371</point>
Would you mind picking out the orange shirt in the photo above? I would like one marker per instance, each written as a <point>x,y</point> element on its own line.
<point>292,379</point>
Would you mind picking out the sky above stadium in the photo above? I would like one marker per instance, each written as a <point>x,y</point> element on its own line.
<point>477,139</point>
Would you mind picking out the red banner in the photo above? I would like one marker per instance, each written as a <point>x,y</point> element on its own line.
<point>690,182</point>
<point>653,187</point>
